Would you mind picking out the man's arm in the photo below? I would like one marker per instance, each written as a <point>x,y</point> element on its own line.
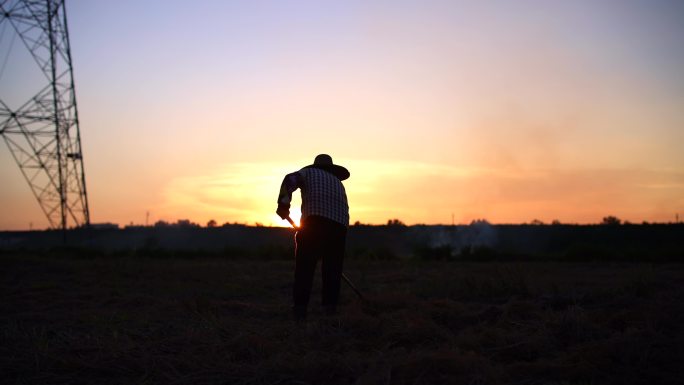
<point>291,183</point>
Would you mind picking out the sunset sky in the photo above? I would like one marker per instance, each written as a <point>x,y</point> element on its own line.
<point>504,110</point>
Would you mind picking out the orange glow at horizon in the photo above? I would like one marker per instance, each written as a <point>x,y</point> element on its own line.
<point>423,193</point>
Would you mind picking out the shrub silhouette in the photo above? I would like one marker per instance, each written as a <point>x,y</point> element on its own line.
<point>611,221</point>
<point>395,222</point>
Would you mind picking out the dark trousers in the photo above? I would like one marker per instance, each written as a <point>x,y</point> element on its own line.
<point>318,238</point>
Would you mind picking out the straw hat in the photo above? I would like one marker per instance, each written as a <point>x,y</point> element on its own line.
<point>325,162</point>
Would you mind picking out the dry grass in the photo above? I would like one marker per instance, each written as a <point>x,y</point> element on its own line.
<point>182,321</point>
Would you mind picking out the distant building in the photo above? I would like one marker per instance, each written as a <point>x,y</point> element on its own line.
<point>135,227</point>
<point>104,226</point>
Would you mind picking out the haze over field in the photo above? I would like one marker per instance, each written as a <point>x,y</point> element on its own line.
<point>501,110</point>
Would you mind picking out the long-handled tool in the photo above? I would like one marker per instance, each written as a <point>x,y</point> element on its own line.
<point>344,276</point>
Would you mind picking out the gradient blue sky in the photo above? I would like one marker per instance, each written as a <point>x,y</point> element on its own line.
<point>505,110</point>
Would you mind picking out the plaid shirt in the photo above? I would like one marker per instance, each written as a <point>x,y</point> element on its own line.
<point>322,194</point>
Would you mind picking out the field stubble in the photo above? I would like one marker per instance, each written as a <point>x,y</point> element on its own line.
<point>212,321</point>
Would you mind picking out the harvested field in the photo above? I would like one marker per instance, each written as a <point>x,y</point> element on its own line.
<point>110,320</point>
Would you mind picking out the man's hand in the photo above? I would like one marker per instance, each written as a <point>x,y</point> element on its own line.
<point>283,211</point>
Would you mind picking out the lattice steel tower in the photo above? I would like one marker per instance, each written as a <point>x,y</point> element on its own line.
<point>43,133</point>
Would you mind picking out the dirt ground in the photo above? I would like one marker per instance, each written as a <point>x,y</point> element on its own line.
<point>118,320</point>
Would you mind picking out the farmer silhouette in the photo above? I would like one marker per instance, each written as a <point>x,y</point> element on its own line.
<point>322,233</point>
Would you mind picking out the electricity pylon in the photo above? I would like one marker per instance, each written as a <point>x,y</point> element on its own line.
<point>43,133</point>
